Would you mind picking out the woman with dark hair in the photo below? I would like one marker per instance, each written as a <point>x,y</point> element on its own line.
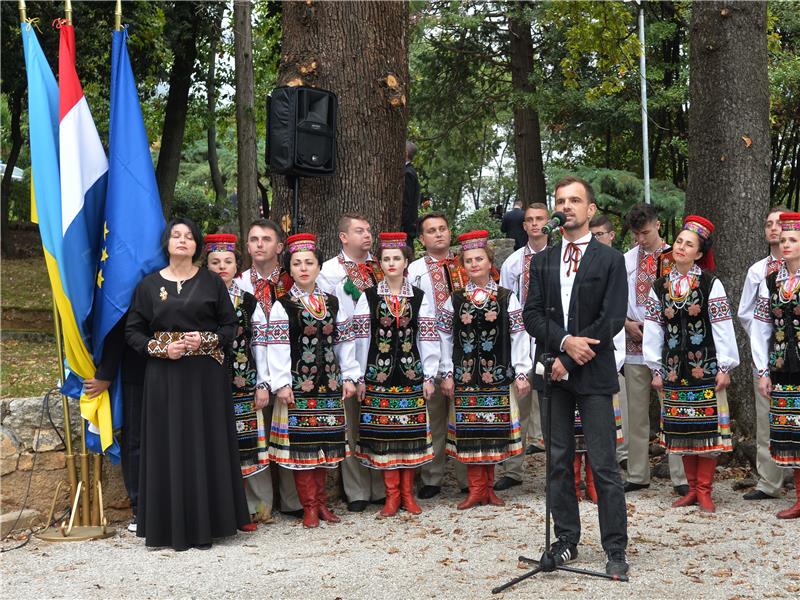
<point>398,352</point>
<point>690,346</point>
<point>312,369</point>
<point>182,320</point>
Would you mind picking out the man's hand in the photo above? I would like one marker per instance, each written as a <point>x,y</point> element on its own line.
<point>558,371</point>
<point>261,400</point>
<point>95,387</point>
<point>723,381</point>
<point>428,389</point>
<point>580,348</point>
<point>448,387</point>
<point>657,384</point>
<point>348,389</point>
<point>286,395</point>
<point>634,329</point>
<point>361,391</point>
<point>765,386</point>
<point>523,386</point>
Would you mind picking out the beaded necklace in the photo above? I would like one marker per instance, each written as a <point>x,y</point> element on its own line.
<point>788,288</point>
<point>314,304</point>
<point>680,294</point>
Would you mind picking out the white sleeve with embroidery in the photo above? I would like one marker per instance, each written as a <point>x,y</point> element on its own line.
<point>761,331</point>
<point>508,278</point>
<point>520,340</point>
<point>428,339</point>
<point>362,332</point>
<point>719,312</point>
<point>444,327</point>
<point>279,352</point>
<point>258,346</point>
<point>345,348</point>
<point>653,342</point>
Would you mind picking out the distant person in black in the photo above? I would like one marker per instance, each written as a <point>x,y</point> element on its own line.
<point>411,195</point>
<point>512,225</point>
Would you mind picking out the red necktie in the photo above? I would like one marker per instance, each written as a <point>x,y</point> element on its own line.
<point>573,256</point>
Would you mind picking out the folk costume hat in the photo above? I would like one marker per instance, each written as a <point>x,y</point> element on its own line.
<point>703,228</point>
<point>392,239</point>
<point>474,239</point>
<point>220,242</point>
<point>790,221</point>
<point>301,242</point>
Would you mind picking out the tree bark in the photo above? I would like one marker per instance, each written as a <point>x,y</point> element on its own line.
<point>359,51</point>
<point>5,187</point>
<point>184,27</point>
<point>527,136</point>
<point>729,152</point>
<point>247,193</point>
<point>211,105</point>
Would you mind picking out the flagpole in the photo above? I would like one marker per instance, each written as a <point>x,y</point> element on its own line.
<point>23,13</point>
<point>68,11</point>
<point>118,16</point>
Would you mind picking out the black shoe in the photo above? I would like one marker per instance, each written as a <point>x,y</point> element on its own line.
<point>297,514</point>
<point>617,565</point>
<point>429,491</point>
<point>531,449</point>
<point>203,546</point>
<point>465,490</point>
<point>379,501</point>
<point>563,551</point>
<point>681,490</point>
<point>505,483</point>
<point>357,505</point>
<point>633,487</point>
<point>757,495</point>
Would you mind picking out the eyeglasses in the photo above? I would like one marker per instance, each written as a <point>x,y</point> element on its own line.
<point>599,234</point>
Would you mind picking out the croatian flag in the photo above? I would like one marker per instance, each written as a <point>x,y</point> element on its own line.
<point>84,170</point>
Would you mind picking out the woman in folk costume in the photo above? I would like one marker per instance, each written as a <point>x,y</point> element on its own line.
<point>484,349</point>
<point>690,346</point>
<point>223,258</point>
<point>398,350</point>
<point>775,340</point>
<point>312,369</point>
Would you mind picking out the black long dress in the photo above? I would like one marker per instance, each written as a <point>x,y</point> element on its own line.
<point>190,482</point>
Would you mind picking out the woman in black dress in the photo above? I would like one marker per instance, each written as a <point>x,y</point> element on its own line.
<point>181,318</point>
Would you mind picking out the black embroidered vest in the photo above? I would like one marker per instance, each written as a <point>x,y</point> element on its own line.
<point>242,365</point>
<point>784,345</point>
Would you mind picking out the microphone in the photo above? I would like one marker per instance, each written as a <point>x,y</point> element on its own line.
<point>556,221</point>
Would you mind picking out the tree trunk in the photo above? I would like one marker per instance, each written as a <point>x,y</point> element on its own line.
<point>527,137</point>
<point>729,152</point>
<point>184,28</point>
<point>359,51</point>
<point>247,193</point>
<point>5,187</point>
<point>211,92</point>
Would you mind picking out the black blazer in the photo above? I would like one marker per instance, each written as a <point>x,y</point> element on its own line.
<point>597,309</point>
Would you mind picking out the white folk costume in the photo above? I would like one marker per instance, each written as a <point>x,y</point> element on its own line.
<point>688,340</point>
<point>484,348</point>
<point>775,340</point>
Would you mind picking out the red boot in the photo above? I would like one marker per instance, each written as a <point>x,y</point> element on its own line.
<point>407,499</point>
<point>793,512</point>
<point>493,499</point>
<point>591,493</point>
<point>478,494</point>
<point>705,482</point>
<point>325,513</point>
<point>576,467</point>
<point>391,479</point>
<point>306,484</point>
<point>690,467</point>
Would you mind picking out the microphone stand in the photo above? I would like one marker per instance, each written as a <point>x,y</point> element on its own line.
<point>547,562</point>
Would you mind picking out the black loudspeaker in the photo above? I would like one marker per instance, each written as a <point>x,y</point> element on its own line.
<point>301,131</point>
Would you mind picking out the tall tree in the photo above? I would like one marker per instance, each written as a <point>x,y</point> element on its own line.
<point>247,192</point>
<point>359,51</point>
<point>729,150</point>
<point>211,103</point>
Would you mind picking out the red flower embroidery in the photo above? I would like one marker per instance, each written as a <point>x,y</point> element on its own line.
<point>697,372</point>
<point>466,318</point>
<point>694,309</point>
<point>307,385</point>
<point>491,315</point>
<point>328,329</point>
<point>709,411</point>
<point>384,403</point>
<point>312,403</point>
<point>309,330</point>
<point>487,377</point>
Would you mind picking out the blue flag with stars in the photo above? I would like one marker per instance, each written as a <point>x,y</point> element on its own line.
<point>134,221</point>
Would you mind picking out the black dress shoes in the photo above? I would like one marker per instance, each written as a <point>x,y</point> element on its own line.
<point>634,487</point>
<point>757,495</point>
<point>681,490</point>
<point>357,505</point>
<point>531,449</point>
<point>505,483</point>
<point>429,491</point>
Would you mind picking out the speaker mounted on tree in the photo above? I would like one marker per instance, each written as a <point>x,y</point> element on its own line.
<point>301,131</point>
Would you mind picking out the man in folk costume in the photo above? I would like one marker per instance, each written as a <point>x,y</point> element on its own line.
<point>438,274</point>
<point>515,276</point>
<point>346,276</point>
<point>587,287</point>
<point>645,262</point>
<point>770,474</point>
<point>267,281</point>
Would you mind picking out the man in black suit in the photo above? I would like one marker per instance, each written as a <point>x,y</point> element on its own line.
<point>587,291</point>
<point>411,196</point>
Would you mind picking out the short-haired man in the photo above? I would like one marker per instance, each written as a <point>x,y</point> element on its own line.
<point>515,276</point>
<point>267,281</point>
<point>438,274</point>
<point>587,287</point>
<point>512,225</point>
<point>603,229</point>
<point>645,262</point>
<point>347,275</point>
<point>770,475</point>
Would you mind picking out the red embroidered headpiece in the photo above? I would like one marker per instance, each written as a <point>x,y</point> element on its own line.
<point>790,221</point>
<point>300,242</point>
<point>220,242</point>
<point>702,227</point>
<point>474,239</point>
<point>392,239</point>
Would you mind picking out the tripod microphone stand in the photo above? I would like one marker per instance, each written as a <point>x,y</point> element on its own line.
<point>547,562</point>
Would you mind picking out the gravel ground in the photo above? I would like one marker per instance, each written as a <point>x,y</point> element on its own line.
<point>742,551</point>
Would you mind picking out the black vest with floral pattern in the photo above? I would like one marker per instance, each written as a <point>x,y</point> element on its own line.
<point>481,341</point>
<point>689,356</point>
<point>243,367</point>
<point>784,345</point>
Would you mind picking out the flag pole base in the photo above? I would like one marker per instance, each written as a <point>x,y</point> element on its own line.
<point>78,533</point>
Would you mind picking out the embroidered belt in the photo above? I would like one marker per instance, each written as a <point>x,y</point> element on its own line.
<point>209,345</point>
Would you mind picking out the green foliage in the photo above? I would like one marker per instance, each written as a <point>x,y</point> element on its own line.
<point>479,219</point>
<point>201,206</point>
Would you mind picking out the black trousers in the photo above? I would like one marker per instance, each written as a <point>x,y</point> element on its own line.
<point>131,439</point>
<point>597,419</point>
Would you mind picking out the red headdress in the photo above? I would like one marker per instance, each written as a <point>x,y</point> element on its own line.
<point>474,239</point>
<point>300,242</point>
<point>220,242</point>
<point>790,221</point>
<point>704,228</point>
<point>392,239</point>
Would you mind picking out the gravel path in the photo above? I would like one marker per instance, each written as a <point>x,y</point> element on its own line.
<point>742,551</point>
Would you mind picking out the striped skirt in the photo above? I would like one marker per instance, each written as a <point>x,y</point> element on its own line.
<point>251,433</point>
<point>310,434</point>
<point>483,427</point>
<point>394,431</point>
<point>784,424</point>
<point>695,420</point>
<point>580,443</point>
